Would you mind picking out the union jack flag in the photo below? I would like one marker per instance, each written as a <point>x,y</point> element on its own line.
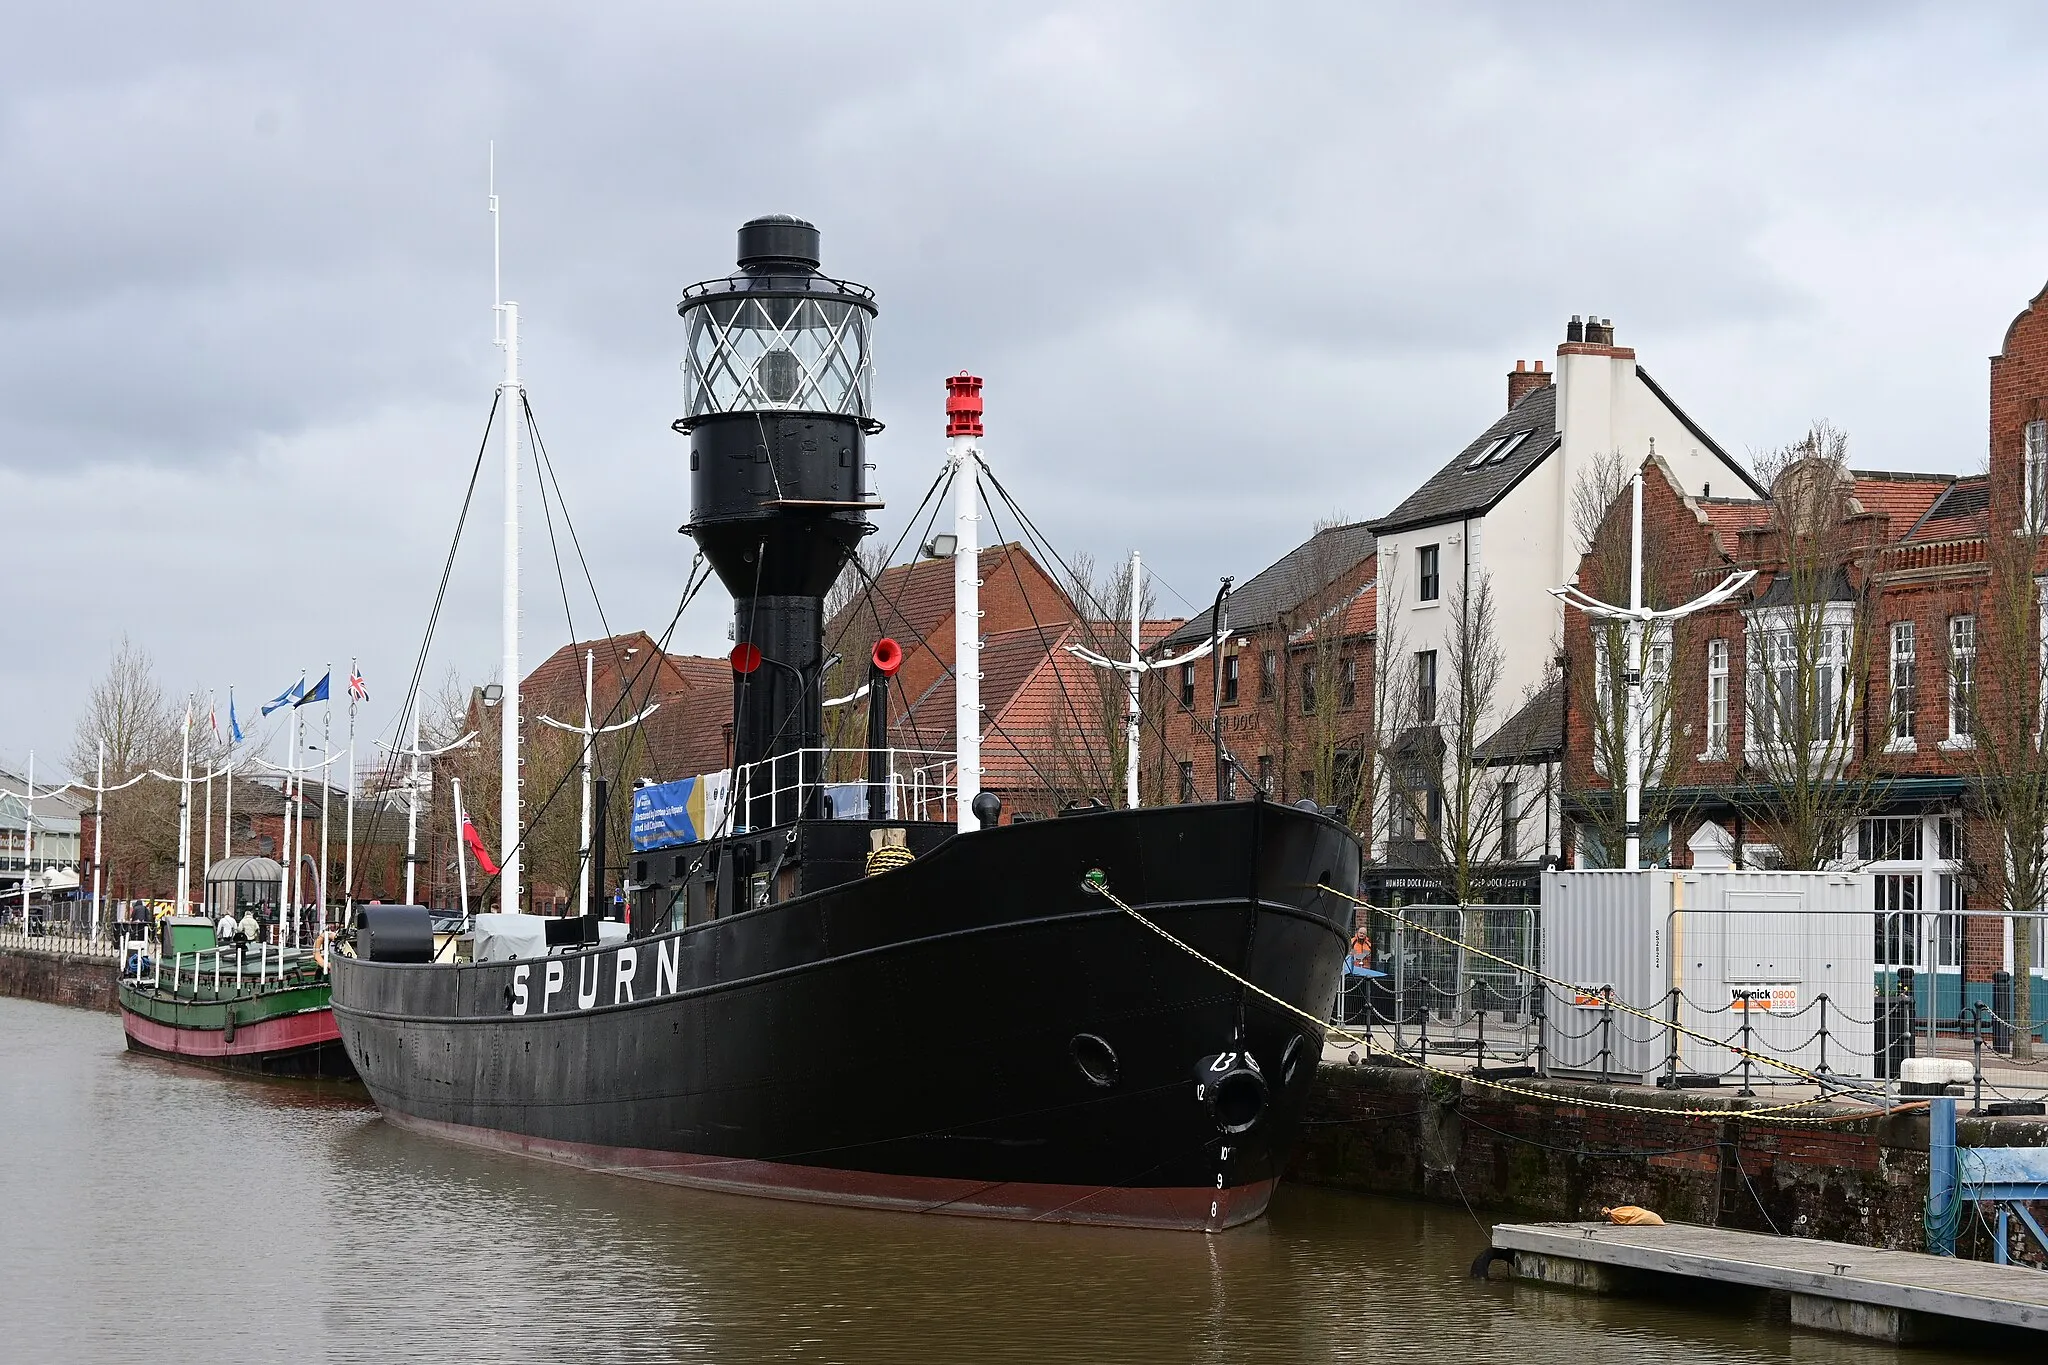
<point>358,690</point>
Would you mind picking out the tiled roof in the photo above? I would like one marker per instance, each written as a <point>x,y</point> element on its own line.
<point>1475,479</point>
<point>1730,517</point>
<point>1959,513</point>
<point>1307,569</point>
<point>1007,660</point>
<point>685,736</point>
<point>913,602</point>
<point>1535,731</point>
<point>1361,616</point>
<point>1905,498</point>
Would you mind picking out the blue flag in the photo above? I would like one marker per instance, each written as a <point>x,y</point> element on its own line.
<point>319,692</point>
<point>234,726</point>
<point>291,696</point>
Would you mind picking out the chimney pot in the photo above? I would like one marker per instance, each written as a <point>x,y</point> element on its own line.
<point>1522,379</point>
<point>1575,330</point>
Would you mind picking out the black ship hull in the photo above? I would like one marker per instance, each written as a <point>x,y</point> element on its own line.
<point>975,1033</point>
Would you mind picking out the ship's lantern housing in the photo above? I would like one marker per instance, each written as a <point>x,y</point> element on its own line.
<point>777,336</point>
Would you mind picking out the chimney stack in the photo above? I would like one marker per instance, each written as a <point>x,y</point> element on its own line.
<point>1522,379</point>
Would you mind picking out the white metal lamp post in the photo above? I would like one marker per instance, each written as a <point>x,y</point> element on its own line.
<point>1637,619</point>
<point>589,730</point>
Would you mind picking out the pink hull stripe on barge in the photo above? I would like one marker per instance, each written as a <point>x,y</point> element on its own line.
<point>288,1033</point>
<point>1189,1209</point>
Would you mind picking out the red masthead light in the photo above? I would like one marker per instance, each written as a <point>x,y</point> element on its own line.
<point>963,405</point>
<point>745,658</point>
<point>888,656</point>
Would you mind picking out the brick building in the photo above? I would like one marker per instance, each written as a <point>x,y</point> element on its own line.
<point>1295,683</point>
<point>1868,637</point>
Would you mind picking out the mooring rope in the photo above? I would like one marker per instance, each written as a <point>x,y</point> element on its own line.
<point>1098,883</point>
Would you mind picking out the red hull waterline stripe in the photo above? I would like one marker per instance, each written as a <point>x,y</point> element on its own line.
<point>1180,1208</point>
<point>285,1034</point>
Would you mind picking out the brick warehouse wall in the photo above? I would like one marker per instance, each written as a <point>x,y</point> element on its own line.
<point>1404,1132</point>
<point>59,979</point>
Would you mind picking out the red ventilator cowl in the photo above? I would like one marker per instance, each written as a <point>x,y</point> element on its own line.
<point>963,405</point>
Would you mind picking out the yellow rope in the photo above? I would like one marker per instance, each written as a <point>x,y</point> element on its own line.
<point>1099,884</point>
<point>888,858</point>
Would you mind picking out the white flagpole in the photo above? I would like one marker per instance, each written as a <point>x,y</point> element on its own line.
<point>1131,719</point>
<point>326,735</point>
<point>28,840</point>
<point>99,824</point>
<point>227,820</point>
<point>461,852</point>
<point>206,861</point>
<point>348,857</point>
<point>291,862</point>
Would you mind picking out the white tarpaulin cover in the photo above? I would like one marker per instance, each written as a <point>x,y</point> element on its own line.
<point>502,938</point>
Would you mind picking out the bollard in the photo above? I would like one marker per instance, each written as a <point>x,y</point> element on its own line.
<point>1671,998</point>
<point>1822,1069</point>
<point>2001,1013</point>
<point>1977,1009</point>
<point>1606,1031</point>
<point>1745,997</point>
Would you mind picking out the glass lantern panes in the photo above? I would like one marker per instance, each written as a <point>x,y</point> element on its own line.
<point>771,352</point>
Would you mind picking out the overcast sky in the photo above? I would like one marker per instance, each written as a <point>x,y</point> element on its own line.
<point>1225,272</point>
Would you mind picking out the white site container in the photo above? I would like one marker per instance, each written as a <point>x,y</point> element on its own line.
<point>1782,939</point>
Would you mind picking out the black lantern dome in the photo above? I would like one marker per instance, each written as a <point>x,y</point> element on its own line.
<point>777,385</point>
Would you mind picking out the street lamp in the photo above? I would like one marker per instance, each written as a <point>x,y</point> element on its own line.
<point>1635,617</point>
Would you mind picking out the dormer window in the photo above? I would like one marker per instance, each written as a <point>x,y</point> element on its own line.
<point>2035,500</point>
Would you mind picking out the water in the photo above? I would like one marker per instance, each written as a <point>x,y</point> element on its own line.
<point>152,1212</point>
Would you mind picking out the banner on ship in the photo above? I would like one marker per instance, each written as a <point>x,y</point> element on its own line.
<point>682,812</point>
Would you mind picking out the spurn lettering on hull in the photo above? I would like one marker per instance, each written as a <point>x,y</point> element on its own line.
<point>590,975</point>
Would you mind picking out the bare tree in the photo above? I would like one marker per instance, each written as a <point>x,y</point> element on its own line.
<point>129,711</point>
<point>2003,696</point>
<point>1808,657</point>
<point>1466,837</point>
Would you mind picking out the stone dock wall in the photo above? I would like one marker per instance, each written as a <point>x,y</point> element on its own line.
<point>85,983</point>
<point>1403,1132</point>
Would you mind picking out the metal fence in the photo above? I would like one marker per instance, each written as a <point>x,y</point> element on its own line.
<point>1464,984</point>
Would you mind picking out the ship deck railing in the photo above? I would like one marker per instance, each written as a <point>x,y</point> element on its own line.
<point>806,782</point>
<point>223,973</point>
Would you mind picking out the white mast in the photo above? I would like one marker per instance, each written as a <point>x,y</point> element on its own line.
<point>348,856</point>
<point>963,452</point>
<point>185,817</point>
<point>583,824</point>
<point>412,812</point>
<point>512,401</point>
<point>1131,717</point>
<point>326,776</point>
